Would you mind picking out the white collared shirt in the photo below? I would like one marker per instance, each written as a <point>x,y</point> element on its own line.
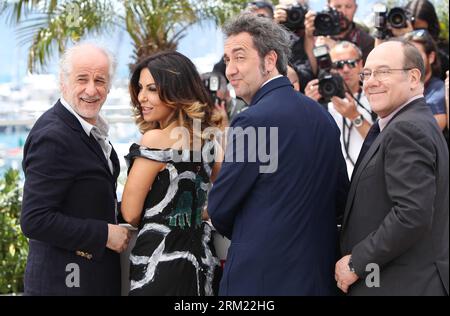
<point>99,131</point>
<point>350,133</point>
<point>383,122</point>
<point>276,77</point>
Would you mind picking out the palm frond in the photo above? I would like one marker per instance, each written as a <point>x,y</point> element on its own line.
<point>218,11</point>
<point>153,25</point>
<point>55,29</point>
<point>20,9</point>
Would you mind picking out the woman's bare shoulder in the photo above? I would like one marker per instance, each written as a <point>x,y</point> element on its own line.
<point>154,138</point>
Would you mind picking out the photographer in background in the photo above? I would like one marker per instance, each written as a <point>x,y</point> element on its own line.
<point>291,14</point>
<point>216,84</point>
<point>434,87</point>
<point>293,78</point>
<point>352,112</point>
<point>425,17</point>
<point>344,30</point>
<point>416,15</point>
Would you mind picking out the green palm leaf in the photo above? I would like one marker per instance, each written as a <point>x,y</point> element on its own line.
<point>153,25</point>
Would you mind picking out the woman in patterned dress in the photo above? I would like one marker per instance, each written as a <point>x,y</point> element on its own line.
<point>169,174</point>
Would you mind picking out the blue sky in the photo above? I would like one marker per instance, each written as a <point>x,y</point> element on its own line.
<point>202,44</point>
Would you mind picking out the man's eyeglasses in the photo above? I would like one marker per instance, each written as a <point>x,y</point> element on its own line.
<point>380,74</point>
<point>341,63</point>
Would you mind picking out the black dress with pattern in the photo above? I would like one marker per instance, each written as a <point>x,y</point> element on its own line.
<point>174,252</point>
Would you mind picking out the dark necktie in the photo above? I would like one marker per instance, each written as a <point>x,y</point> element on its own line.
<point>374,131</point>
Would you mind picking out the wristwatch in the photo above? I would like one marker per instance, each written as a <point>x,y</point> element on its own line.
<point>358,122</point>
<point>350,265</point>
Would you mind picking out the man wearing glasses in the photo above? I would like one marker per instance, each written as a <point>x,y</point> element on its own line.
<point>352,114</point>
<point>395,231</point>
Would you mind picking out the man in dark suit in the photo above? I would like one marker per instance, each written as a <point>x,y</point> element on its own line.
<point>395,231</point>
<point>279,209</point>
<point>69,200</point>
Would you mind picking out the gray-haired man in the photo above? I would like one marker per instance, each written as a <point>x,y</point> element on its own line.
<point>69,201</point>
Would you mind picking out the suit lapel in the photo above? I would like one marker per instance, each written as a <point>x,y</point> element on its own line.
<point>372,150</point>
<point>73,123</point>
<point>351,194</point>
<point>95,147</point>
<point>115,162</point>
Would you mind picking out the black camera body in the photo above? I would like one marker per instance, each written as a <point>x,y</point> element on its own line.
<point>396,17</point>
<point>295,17</point>
<point>327,22</point>
<point>212,85</point>
<point>330,84</point>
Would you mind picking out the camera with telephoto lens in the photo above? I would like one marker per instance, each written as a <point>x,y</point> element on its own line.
<point>327,22</point>
<point>295,17</point>
<point>330,84</point>
<point>212,85</point>
<point>396,18</point>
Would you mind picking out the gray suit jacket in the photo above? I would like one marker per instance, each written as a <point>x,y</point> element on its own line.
<point>397,212</point>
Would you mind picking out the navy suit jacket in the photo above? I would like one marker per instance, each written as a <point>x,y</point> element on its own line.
<point>282,224</point>
<point>68,200</point>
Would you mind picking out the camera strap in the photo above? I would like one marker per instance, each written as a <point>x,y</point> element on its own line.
<point>347,134</point>
<point>354,35</point>
<point>358,103</point>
